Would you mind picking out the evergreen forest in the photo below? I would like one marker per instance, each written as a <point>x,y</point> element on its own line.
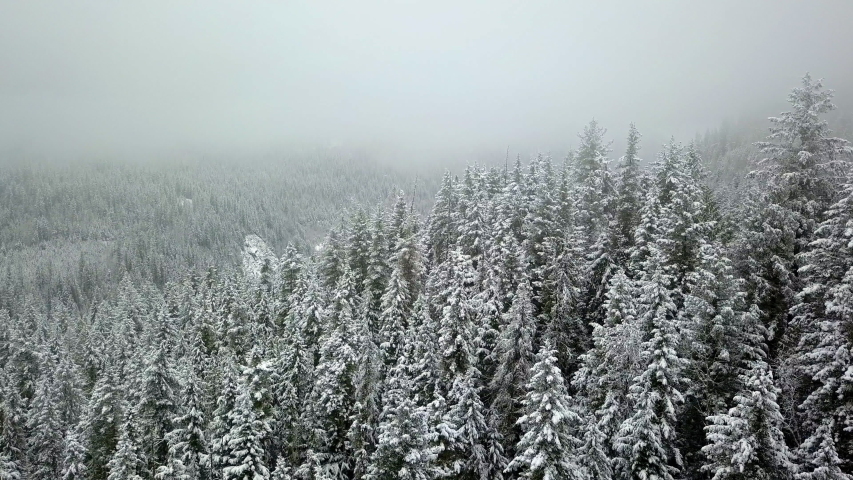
<point>598,316</point>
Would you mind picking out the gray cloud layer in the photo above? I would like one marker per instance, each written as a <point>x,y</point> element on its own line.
<point>93,77</point>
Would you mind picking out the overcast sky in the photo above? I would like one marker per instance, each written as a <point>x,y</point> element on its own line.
<point>112,77</point>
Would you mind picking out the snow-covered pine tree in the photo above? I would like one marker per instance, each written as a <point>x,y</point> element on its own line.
<point>506,260</point>
<point>491,300</point>
<point>747,441</point>
<point>646,440</point>
<point>405,445</point>
<point>594,209</point>
<point>594,193</point>
<point>262,305</point>
<point>330,403</point>
<point>290,266</point>
<point>158,398</point>
<point>357,248</point>
<point>403,289</point>
<point>234,323</point>
<point>425,362</point>
<point>610,365</point>
<point>717,318</point>
<point>308,313</point>
<point>12,438</point>
<point>9,469</point>
<point>680,228</point>
<point>595,452</point>
<point>128,461</point>
<point>471,216</point>
<point>282,471</point>
<point>399,221</point>
<point>540,222</point>
<point>797,184</point>
<point>676,241</point>
<point>548,448</point>
<point>74,457</point>
<point>628,199</point>
<point>514,355</point>
<point>818,455</point>
<point>512,204</point>
<point>25,349</point>
<point>103,420</point>
<point>501,275</point>
<point>457,335</point>
<point>562,301</point>
<point>441,233</point>
<point>69,386</point>
<point>44,426</point>
<point>593,186</point>
<point>367,387</point>
<point>471,447</point>
<point>376,274</point>
<point>332,259</point>
<point>607,371</point>
<point>220,424</point>
<point>203,313</point>
<point>291,381</point>
<point>256,373</point>
<point>824,313</point>
<point>801,156</point>
<point>245,458</point>
<point>188,455</point>
<point>404,448</point>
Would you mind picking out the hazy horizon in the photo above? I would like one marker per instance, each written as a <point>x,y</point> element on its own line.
<point>404,80</point>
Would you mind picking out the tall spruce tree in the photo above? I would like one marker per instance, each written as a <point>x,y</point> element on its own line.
<point>823,311</point>
<point>514,355</point>
<point>44,425</point>
<point>606,374</point>
<point>158,398</point>
<point>646,440</point>
<point>747,441</point>
<point>245,457</point>
<point>797,173</point>
<point>128,461</point>
<point>188,455</point>
<point>331,400</point>
<point>548,448</point>
<point>628,198</point>
<point>405,445</point>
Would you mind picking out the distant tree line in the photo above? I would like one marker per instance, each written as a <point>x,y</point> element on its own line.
<point>74,229</point>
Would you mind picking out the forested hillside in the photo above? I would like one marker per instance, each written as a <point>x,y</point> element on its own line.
<point>586,318</point>
<point>74,229</point>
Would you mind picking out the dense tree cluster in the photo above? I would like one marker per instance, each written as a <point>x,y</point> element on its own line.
<point>587,319</point>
